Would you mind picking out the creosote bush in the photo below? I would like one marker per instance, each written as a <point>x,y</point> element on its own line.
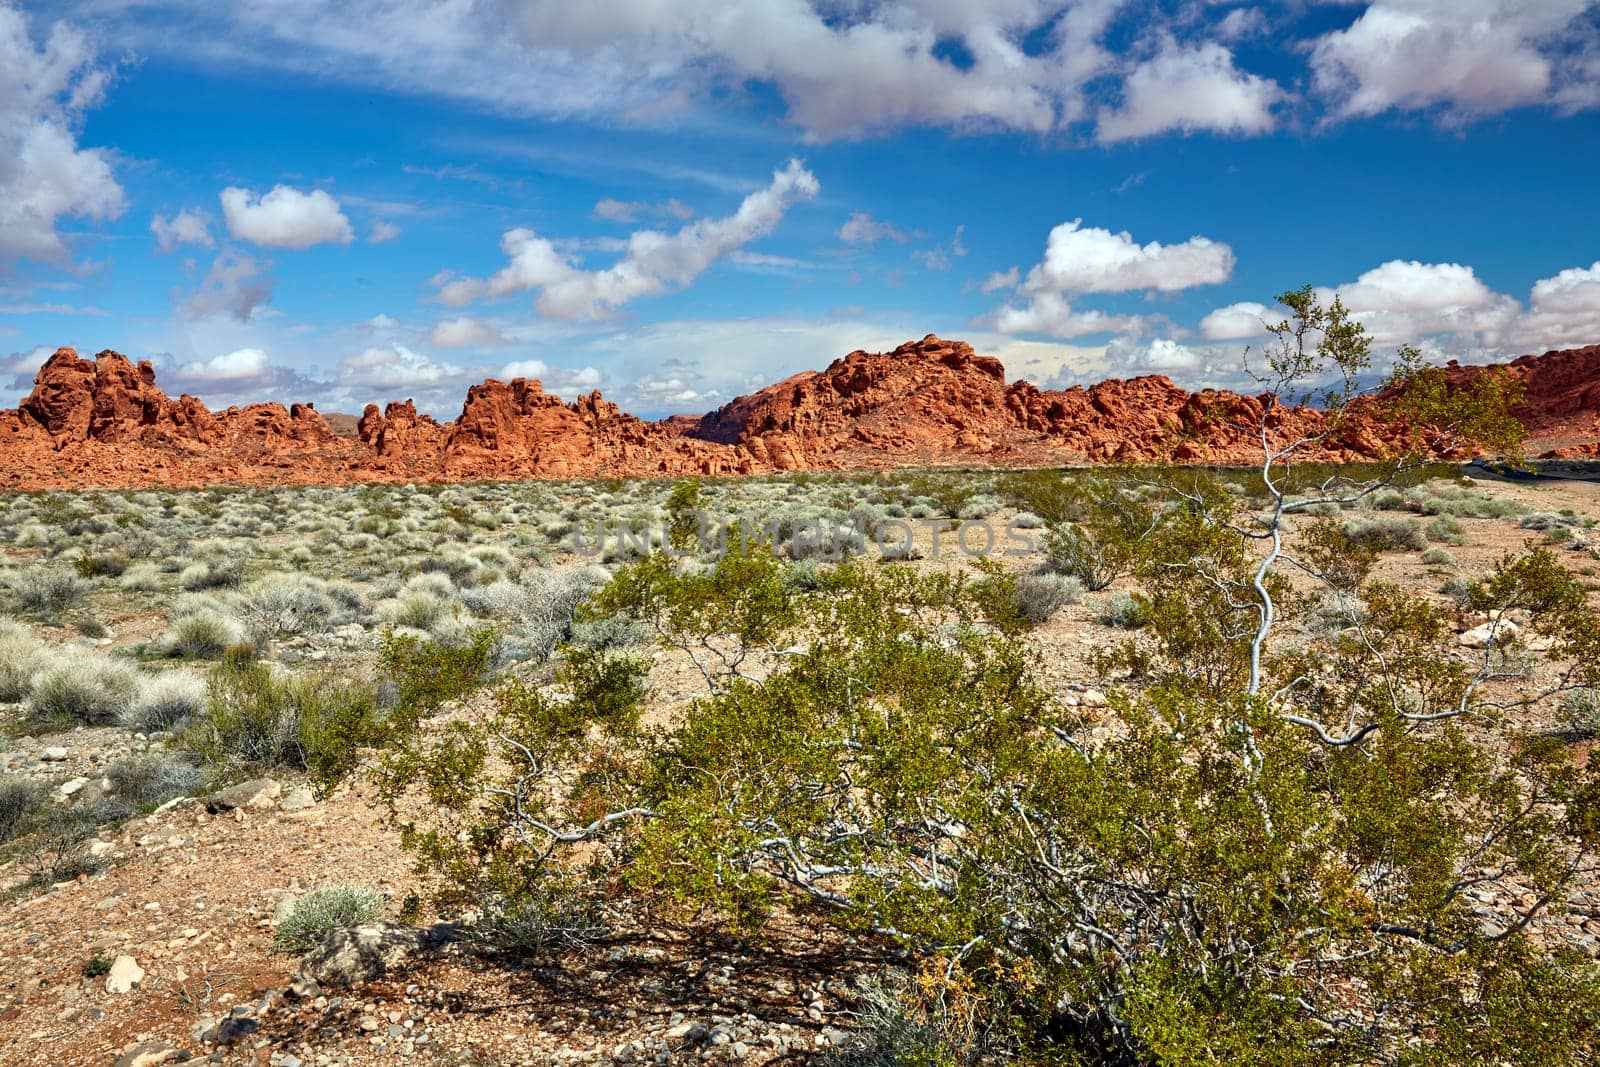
<point>1304,844</point>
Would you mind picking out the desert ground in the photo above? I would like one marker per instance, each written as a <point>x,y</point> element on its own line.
<point>145,889</point>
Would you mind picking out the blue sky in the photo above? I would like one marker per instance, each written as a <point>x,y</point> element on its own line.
<point>677,202</point>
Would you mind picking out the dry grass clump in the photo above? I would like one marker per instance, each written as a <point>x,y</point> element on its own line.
<point>83,689</point>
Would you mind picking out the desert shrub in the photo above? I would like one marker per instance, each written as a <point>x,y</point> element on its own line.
<point>1027,520</point>
<point>425,675</point>
<point>205,634</point>
<point>609,632</point>
<point>1387,500</point>
<point>1580,712</point>
<point>18,800</point>
<point>551,606</point>
<point>21,656</point>
<point>1386,534</point>
<point>1109,525</point>
<point>322,911</point>
<point>278,604</point>
<point>980,506</point>
<point>1446,529</point>
<point>260,717</point>
<point>83,689</point>
<point>1459,588</point>
<point>1549,520</point>
<point>141,578</point>
<point>214,574</point>
<point>501,599</point>
<point>46,591</point>
<point>901,1024</point>
<point>165,701</point>
<point>416,611</point>
<point>1039,596</point>
<point>99,565</point>
<point>1438,557</point>
<point>1126,611</point>
<point>149,778</point>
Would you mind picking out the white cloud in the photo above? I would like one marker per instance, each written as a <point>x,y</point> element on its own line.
<point>1563,311</point>
<point>842,69</point>
<point>654,263</point>
<point>188,227</point>
<point>241,365</point>
<point>1050,314</point>
<point>632,210</point>
<point>1403,300</point>
<point>1236,321</point>
<point>1188,90</point>
<point>525,368</point>
<point>396,367</point>
<point>382,231</point>
<point>1094,260</point>
<point>285,217</point>
<point>236,284</point>
<point>1469,57</point>
<point>862,229</point>
<point>464,330</point>
<point>1006,279</point>
<point>44,175</point>
<point>1164,355</point>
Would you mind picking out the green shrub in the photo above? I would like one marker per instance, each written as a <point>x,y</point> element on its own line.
<point>261,717</point>
<point>1126,611</point>
<point>83,689</point>
<point>1438,557</point>
<point>211,575</point>
<point>1446,529</point>
<point>322,911</point>
<point>278,604</point>
<point>99,565</point>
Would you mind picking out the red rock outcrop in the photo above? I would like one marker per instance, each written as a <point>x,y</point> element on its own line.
<point>104,423</point>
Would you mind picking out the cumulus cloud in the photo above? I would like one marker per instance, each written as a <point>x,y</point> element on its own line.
<point>1094,260</point>
<point>285,217</point>
<point>463,331</point>
<point>396,367</point>
<point>1563,311</point>
<point>1189,90</point>
<point>1001,279</point>
<point>236,284</point>
<point>1404,299</point>
<point>241,365</point>
<point>862,229</point>
<point>188,227</point>
<point>382,232</point>
<point>562,381</point>
<point>1052,315</point>
<point>1467,57</point>
<point>1236,321</point>
<point>654,263</point>
<point>45,176</point>
<point>633,210</point>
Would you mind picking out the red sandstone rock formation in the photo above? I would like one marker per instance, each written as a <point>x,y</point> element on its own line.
<point>105,423</point>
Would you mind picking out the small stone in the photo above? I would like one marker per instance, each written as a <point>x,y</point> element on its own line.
<point>257,793</point>
<point>73,787</point>
<point>297,799</point>
<point>125,973</point>
<point>1093,698</point>
<point>53,754</point>
<point>148,1054</point>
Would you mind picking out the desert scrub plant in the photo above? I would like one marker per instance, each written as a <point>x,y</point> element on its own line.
<point>211,574</point>
<point>1125,610</point>
<point>21,656</point>
<point>259,717</point>
<point>1109,523</point>
<point>1446,529</point>
<point>82,689</point>
<point>322,911</point>
<point>165,701</point>
<point>46,591</point>
<point>1438,557</point>
<point>141,578</point>
<point>18,801</point>
<point>1386,533</point>
<point>204,634</point>
<point>1040,596</point>
<point>146,779</point>
<point>276,605</point>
